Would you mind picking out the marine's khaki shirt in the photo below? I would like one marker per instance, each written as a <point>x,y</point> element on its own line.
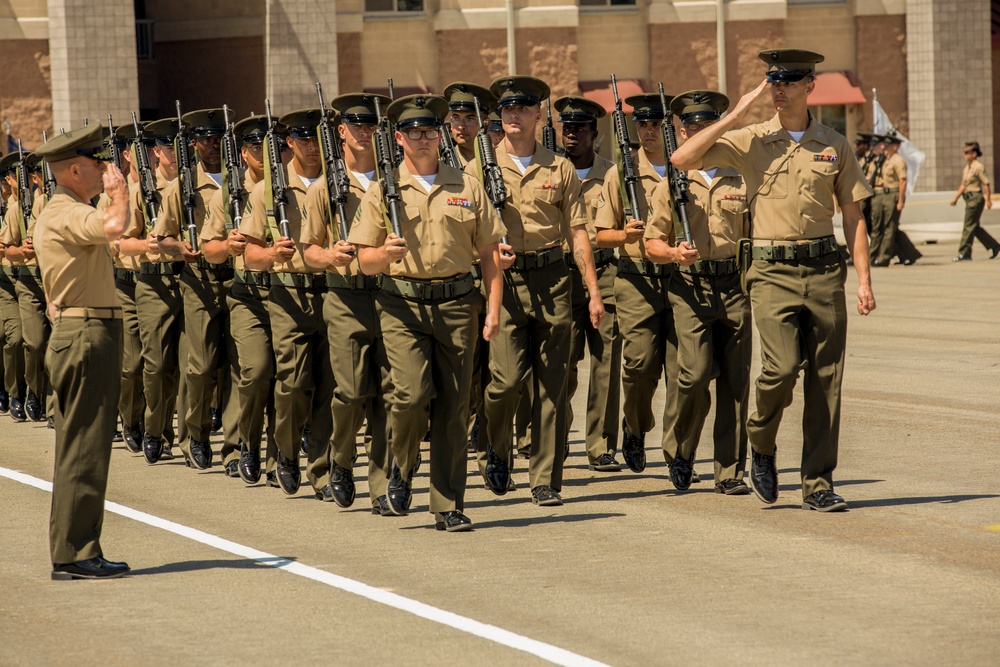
<point>592,187</point>
<point>893,171</point>
<point>442,228</point>
<point>974,177</point>
<point>316,227</point>
<point>10,235</point>
<point>214,228</point>
<point>544,204</point>
<point>122,261</point>
<point>137,223</point>
<point>3,225</point>
<point>611,211</point>
<point>255,222</point>
<point>9,219</point>
<point>791,186</point>
<point>76,266</point>
<point>718,214</point>
<point>172,220</point>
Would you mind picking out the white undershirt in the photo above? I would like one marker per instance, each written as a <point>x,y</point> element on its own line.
<point>582,173</point>
<point>425,181</point>
<point>217,177</point>
<point>521,162</point>
<point>307,181</point>
<point>364,178</point>
<point>708,175</point>
<point>797,135</point>
<point>660,169</point>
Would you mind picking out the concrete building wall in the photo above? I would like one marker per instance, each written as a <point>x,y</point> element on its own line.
<point>181,73</point>
<point>881,54</point>
<point>400,46</point>
<point>25,90</point>
<point>300,49</point>
<point>613,41</point>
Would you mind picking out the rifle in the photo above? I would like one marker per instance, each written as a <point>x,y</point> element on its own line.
<point>113,148</point>
<point>447,150</point>
<point>627,176</point>
<point>337,182</point>
<point>678,179</point>
<point>397,150</point>
<point>48,180</point>
<point>25,195</point>
<point>232,176</point>
<point>549,132</point>
<point>147,179</point>
<point>184,162</point>
<point>391,197</point>
<point>491,176</point>
<point>877,171</point>
<point>279,187</point>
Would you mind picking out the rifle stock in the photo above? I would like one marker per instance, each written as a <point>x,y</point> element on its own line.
<point>25,195</point>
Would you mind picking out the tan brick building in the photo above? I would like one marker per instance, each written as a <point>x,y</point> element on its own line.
<point>932,61</point>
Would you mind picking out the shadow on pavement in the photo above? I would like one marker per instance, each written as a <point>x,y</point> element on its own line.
<point>197,565</point>
<point>521,522</point>
<point>920,500</point>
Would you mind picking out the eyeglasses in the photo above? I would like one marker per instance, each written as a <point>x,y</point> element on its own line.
<point>99,154</point>
<point>416,135</point>
<point>468,121</point>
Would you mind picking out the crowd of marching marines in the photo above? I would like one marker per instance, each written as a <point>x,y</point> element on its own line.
<point>424,269</point>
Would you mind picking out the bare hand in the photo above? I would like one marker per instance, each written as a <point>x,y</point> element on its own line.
<point>596,308</point>
<point>28,249</point>
<point>237,243</point>
<point>989,202</point>
<point>899,206</point>
<point>866,300</point>
<point>283,250</point>
<point>686,255</point>
<point>395,248</point>
<point>634,229</point>
<point>490,327</point>
<point>506,256</point>
<point>152,245</point>
<point>954,201</point>
<point>190,256</point>
<point>114,183</point>
<point>342,253</point>
<point>747,101</point>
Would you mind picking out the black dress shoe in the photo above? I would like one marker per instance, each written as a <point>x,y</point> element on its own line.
<point>732,487</point>
<point>33,408</point>
<point>216,420</point>
<point>288,474</point>
<point>633,449</point>
<point>397,492</point>
<point>232,469</point>
<point>497,472</point>
<point>201,454</point>
<point>962,258</point>
<point>996,251</point>
<point>92,568</point>
<point>545,496</point>
<point>17,410</point>
<point>606,463</point>
<point>380,507</point>
<point>453,522</point>
<point>764,478</point>
<point>824,501</point>
<point>50,423</point>
<point>117,437</point>
<point>4,402</point>
<point>271,479</point>
<point>151,448</point>
<point>133,438</point>
<point>249,466</point>
<point>306,430</point>
<point>342,485</point>
<point>680,473</point>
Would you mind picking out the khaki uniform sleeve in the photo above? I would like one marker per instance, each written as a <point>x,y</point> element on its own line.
<point>610,211</point>
<point>11,232</point>
<point>169,221</point>
<point>214,228</point>
<point>317,220</point>
<point>660,225</point>
<point>369,228</point>
<point>137,216</point>
<point>489,226</point>
<point>730,150</point>
<point>573,207</point>
<point>850,185</point>
<point>984,178</point>
<point>901,168</point>
<point>255,214</point>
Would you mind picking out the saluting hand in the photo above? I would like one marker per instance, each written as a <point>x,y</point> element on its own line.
<point>237,243</point>
<point>114,183</point>
<point>747,101</point>
<point>395,248</point>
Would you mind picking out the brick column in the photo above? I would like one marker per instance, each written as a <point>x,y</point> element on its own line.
<point>949,76</point>
<point>300,48</point>
<point>93,60</point>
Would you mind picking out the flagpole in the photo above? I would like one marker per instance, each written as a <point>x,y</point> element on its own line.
<point>874,112</point>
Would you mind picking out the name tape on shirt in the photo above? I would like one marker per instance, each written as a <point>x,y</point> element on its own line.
<point>824,157</point>
<point>459,201</point>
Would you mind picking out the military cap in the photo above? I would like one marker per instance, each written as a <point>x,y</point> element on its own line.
<point>974,145</point>
<point>522,91</point>
<point>496,125</point>
<point>417,110</point>
<point>645,106</point>
<point>302,124</point>
<point>889,138</point>
<point>251,130</point>
<point>7,163</point>
<point>696,105</point>
<point>125,134</point>
<point>359,108</point>
<point>789,64</point>
<point>86,141</point>
<point>206,122</point>
<point>863,138</point>
<point>461,96</point>
<point>163,130</point>
<point>573,109</point>
<point>34,161</point>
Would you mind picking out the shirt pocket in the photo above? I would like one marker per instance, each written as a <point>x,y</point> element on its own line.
<point>824,177</point>
<point>774,178</point>
<point>460,223</point>
<point>733,214</point>
<point>551,196</point>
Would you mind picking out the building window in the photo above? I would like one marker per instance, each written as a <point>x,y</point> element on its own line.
<point>394,5</point>
<point>606,3</point>
<point>834,116</point>
<point>144,39</point>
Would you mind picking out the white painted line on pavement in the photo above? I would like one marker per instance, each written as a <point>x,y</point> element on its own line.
<point>548,652</point>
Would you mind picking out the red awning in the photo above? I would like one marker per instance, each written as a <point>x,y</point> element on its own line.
<point>600,92</point>
<point>833,88</point>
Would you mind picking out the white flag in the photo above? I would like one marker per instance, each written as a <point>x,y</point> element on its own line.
<point>913,156</point>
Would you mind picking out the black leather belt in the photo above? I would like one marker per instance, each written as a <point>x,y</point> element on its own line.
<point>477,272</point>
<point>125,276</point>
<point>602,257</point>
<point>256,278</point>
<point>438,290</point>
<point>526,261</point>
<point>793,252</point>
<point>644,268</point>
<point>357,281</point>
<point>299,280</point>
<point>712,267</point>
<point>27,272</point>
<point>209,271</point>
<point>972,194</point>
<point>161,268</point>
<point>8,271</point>
<point>203,263</point>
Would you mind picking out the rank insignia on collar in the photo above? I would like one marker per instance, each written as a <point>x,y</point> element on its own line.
<point>459,201</point>
<point>735,197</point>
<point>823,157</point>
